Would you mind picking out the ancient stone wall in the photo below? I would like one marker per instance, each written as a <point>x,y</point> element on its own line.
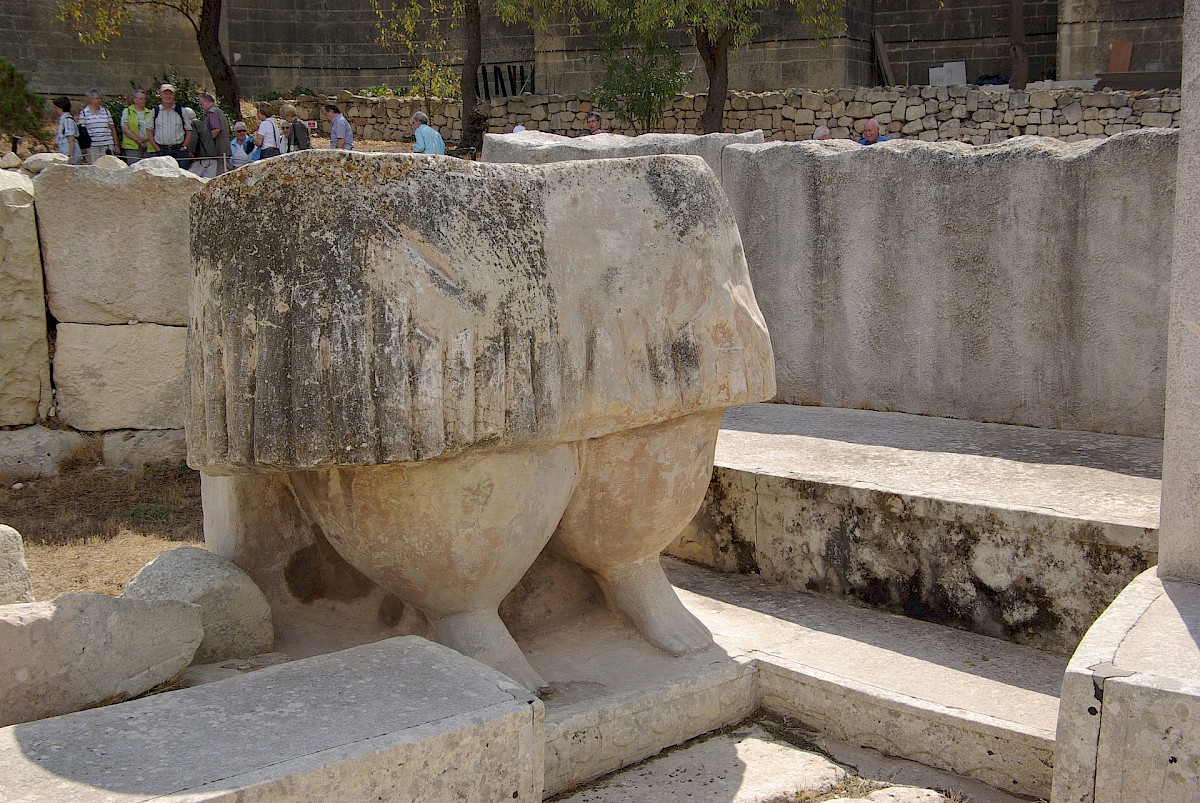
<point>966,114</point>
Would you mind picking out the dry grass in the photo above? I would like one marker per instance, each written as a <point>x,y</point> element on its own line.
<point>91,529</point>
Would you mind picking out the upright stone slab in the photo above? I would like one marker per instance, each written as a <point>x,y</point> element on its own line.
<point>120,377</point>
<point>1023,283</point>
<point>15,586</point>
<point>401,719</point>
<point>24,355</point>
<point>115,242</point>
<point>538,147</point>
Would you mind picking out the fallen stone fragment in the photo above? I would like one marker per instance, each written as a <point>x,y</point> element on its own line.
<point>109,162</point>
<point>36,451</point>
<point>83,650</point>
<point>40,161</point>
<point>10,161</point>
<point>15,586</point>
<point>236,616</point>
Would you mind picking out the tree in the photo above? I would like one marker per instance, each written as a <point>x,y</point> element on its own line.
<point>641,76</point>
<point>417,31</point>
<point>97,22</point>
<point>20,107</point>
<point>718,27</point>
<point>1019,75</point>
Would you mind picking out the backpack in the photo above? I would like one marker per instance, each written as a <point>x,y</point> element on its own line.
<point>82,138</point>
<point>202,143</point>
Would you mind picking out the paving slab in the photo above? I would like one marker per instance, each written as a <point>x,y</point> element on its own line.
<point>402,719</point>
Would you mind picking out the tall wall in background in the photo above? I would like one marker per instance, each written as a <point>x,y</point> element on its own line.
<point>921,34</point>
<point>1087,27</point>
<point>330,46</point>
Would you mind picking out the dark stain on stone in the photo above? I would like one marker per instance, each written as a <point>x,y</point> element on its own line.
<point>317,571</point>
<point>687,198</point>
<point>391,611</point>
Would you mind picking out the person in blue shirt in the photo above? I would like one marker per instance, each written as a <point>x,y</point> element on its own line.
<point>871,133</point>
<point>429,141</point>
<point>341,135</point>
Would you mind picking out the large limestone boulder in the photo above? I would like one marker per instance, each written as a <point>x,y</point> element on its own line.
<point>15,585</point>
<point>24,355</point>
<point>115,242</point>
<point>83,650</point>
<point>40,161</point>
<point>120,377</point>
<point>36,451</point>
<point>235,614</point>
<point>539,147</point>
<point>1021,283</point>
<point>564,302</point>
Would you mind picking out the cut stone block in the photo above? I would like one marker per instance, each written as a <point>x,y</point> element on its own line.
<point>538,147</point>
<point>36,451</point>
<point>115,243</point>
<point>83,650</point>
<point>15,585</point>
<point>24,354</point>
<point>137,448</point>
<point>120,377</point>
<point>1023,283</point>
<point>402,719</point>
<point>236,616</point>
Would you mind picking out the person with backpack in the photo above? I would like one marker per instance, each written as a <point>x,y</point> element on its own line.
<point>297,129</point>
<point>66,137</point>
<point>99,124</point>
<point>169,134</point>
<point>135,128</point>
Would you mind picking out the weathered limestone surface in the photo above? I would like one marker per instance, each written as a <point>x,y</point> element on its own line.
<point>10,161</point>
<point>462,306</point>
<point>120,377</point>
<point>36,451</point>
<point>401,719</point>
<point>109,162</point>
<point>24,355</point>
<point>85,649</point>
<point>1022,283</point>
<point>536,147</point>
<point>452,316</point>
<point>235,614</point>
<point>1016,533</point>
<point>114,242</point>
<point>40,161</point>
<point>136,448</point>
<point>15,586</point>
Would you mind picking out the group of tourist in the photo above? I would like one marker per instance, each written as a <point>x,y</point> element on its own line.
<point>202,143</point>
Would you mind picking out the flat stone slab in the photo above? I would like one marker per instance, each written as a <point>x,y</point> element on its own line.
<point>1013,532</point>
<point>402,719</point>
<point>947,698</point>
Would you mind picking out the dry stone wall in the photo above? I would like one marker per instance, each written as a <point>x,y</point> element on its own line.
<point>975,115</point>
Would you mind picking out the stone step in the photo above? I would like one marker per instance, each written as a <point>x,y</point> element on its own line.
<point>1020,533</point>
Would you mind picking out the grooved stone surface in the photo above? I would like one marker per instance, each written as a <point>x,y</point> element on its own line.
<point>402,719</point>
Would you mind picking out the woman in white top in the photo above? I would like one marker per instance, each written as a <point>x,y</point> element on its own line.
<point>267,137</point>
<point>67,135</point>
<point>99,124</point>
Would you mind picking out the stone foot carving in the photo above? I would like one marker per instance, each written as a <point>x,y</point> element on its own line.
<point>637,490</point>
<point>482,636</point>
<point>451,537</point>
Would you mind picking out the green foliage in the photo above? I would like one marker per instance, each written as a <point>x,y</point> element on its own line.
<point>383,91</point>
<point>642,74</point>
<point>434,81</point>
<point>20,108</point>
<point>287,94</point>
<point>417,31</point>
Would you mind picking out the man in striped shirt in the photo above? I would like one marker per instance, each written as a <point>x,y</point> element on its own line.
<point>99,124</point>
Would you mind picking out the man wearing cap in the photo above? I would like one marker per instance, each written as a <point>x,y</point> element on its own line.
<point>169,134</point>
<point>242,150</point>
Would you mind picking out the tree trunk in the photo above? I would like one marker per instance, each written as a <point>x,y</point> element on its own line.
<point>472,121</point>
<point>1019,76</point>
<point>208,37</point>
<point>714,54</point>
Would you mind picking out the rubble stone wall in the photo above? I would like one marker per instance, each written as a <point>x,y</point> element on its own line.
<point>975,115</point>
